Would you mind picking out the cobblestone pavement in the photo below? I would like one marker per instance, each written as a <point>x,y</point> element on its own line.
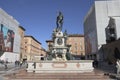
<point>10,70</point>
<point>19,73</point>
<point>10,65</point>
<point>23,75</point>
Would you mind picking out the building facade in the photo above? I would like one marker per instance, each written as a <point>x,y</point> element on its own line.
<point>33,49</point>
<point>77,44</point>
<point>9,37</point>
<point>49,43</point>
<point>22,49</point>
<point>95,22</point>
<point>43,52</point>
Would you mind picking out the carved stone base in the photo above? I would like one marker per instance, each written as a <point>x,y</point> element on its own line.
<point>61,66</point>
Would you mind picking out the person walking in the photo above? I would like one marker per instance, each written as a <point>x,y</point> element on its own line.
<point>6,67</point>
<point>20,63</point>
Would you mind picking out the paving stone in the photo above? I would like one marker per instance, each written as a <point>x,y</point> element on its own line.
<point>23,75</point>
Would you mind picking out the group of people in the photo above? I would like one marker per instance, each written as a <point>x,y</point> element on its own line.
<point>18,63</point>
<point>5,63</point>
<point>2,61</point>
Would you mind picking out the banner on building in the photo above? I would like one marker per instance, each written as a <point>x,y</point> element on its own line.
<point>6,39</point>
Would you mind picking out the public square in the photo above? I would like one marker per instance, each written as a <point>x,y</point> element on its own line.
<point>60,40</point>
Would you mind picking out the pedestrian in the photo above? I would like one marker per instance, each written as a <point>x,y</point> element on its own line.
<point>95,63</point>
<point>20,63</point>
<point>15,63</point>
<point>6,67</point>
<point>34,64</point>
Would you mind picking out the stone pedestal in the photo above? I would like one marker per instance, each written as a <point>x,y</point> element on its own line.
<point>73,66</point>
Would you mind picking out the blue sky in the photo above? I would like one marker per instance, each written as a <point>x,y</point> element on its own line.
<point>38,17</point>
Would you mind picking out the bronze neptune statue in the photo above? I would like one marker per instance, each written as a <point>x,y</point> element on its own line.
<point>59,21</point>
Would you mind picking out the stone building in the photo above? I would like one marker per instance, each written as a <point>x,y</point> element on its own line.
<point>22,49</point>
<point>33,48</point>
<point>49,43</point>
<point>77,44</point>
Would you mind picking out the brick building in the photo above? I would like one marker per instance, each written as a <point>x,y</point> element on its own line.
<point>77,44</point>
<point>22,49</point>
<point>32,48</point>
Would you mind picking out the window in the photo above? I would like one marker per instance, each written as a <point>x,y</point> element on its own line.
<point>25,47</point>
<point>76,48</point>
<point>75,44</point>
<point>25,42</point>
<point>80,43</point>
<point>81,47</point>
